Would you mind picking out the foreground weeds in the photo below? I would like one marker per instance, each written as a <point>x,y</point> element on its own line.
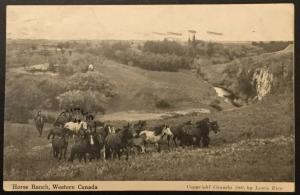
<point>247,160</point>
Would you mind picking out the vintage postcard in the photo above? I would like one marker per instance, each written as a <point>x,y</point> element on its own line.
<point>149,97</point>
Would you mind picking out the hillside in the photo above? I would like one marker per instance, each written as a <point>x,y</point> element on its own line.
<point>140,89</point>
<point>134,88</point>
<point>252,78</point>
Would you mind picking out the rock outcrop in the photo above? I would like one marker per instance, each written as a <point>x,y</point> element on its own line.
<point>262,81</point>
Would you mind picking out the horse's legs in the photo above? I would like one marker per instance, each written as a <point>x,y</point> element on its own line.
<point>119,154</point>
<point>198,141</point>
<point>79,157</point>
<point>127,153</point>
<point>112,154</point>
<point>157,146</point>
<point>206,141</point>
<point>103,152</point>
<point>65,152</point>
<point>71,156</point>
<point>143,149</point>
<point>84,157</point>
<point>174,140</point>
<point>168,138</point>
<point>41,131</point>
<point>60,153</point>
<point>53,152</point>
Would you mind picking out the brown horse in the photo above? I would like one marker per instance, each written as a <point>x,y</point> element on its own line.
<point>117,142</point>
<point>60,145</point>
<point>178,133</point>
<point>39,122</point>
<point>199,132</point>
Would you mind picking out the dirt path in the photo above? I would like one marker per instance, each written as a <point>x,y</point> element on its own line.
<point>136,115</point>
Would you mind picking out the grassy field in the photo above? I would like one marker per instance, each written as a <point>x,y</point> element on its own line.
<point>256,143</point>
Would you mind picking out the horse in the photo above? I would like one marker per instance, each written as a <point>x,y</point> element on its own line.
<point>97,145</point>
<point>62,119</point>
<point>138,143</point>
<point>154,137</point>
<point>59,146</point>
<point>58,131</point>
<point>39,123</point>
<point>82,147</point>
<point>177,133</point>
<point>115,142</point>
<point>199,132</point>
<point>74,127</point>
<point>139,126</point>
<point>204,127</point>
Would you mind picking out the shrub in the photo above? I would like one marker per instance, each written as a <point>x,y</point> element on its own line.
<point>94,81</point>
<point>66,70</point>
<point>87,100</point>
<point>22,96</point>
<point>162,104</point>
<point>49,118</point>
<point>164,47</point>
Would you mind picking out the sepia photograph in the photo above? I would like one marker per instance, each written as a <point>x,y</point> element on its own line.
<point>149,97</point>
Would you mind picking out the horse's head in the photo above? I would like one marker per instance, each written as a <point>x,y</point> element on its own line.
<point>107,129</point>
<point>203,122</point>
<point>83,125</point>
<point>214,126</point>
<point>189,122</point>
<point>166,131</point>
<point>142,124</point>
<point>128,131</point>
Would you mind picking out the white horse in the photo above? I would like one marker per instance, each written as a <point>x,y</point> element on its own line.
<point>151,137</point>
<point>74,127</point>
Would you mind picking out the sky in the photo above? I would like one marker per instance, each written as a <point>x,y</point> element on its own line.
<point>255,22</point>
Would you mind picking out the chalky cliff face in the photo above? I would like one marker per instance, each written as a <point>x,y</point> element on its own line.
<point>262,81</point>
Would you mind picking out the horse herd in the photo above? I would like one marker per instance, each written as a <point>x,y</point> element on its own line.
<point>93,139</point>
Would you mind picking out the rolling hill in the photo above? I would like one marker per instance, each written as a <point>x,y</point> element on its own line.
<point>140,89</point>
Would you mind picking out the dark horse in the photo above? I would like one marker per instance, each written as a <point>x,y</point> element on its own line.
<point>59,146</point>
<point>178,133</point>
<point>117,142</point>
<point>97,144</point>
<point>39,122</point>
<point>199,132</point>
<point>83,146</point>
<point>137,142</point>
<point>58,131</point>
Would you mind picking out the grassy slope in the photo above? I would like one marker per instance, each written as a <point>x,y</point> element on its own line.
<point>139,89</point>
<point>255,144</point>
